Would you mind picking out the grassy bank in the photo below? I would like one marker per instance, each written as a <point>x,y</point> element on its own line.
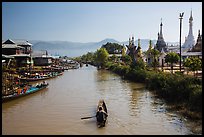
<point>184,91</point>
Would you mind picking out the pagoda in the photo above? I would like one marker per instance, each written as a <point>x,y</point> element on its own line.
<point>161,44</point>
<point>189,40</point>
<point>198,45</point>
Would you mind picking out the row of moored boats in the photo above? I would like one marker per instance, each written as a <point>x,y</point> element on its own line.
<point>24,88</point>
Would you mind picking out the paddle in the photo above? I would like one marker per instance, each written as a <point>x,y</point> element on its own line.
<point>87,117</point>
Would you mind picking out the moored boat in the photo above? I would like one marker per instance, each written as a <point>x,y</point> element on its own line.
<point>35,78</point>
<point>101,119</point>
<point>43,77</point>
<point>23,92</point>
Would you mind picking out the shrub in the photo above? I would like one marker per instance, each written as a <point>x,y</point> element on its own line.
<point>174,88</point>
<point>195,100</point>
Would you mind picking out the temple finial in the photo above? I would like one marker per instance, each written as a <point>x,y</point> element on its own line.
<point>161,22</point>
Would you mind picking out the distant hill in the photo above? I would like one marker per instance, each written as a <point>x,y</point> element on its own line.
<point>74,49</point>
<point>66,48</point>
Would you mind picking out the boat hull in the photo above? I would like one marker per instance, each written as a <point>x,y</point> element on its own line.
<point>28,92</point>
<point>102,104</point>
<point>42,78</point>
<point>34,79</point>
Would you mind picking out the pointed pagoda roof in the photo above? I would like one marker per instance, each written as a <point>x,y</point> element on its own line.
<point>160,42</point>
<point>198,45</point>
<point>160,34</point>
<point>189,40</point>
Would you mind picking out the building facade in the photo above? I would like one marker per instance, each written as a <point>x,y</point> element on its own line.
<point>20,50</point>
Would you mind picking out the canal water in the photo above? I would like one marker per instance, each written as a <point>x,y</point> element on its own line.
<point>57,110</point>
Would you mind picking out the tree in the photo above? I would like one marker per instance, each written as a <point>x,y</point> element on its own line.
<point>171,58</point>
<point>187,63</point>
<point>193,63</point>
<point>113,48</point>
<point>127,59</point>
<point>114,58</point>
<point>78,59</point>
<point>123,51</point>
<point>101,57</point>
<point>140,64</point>
<point>155,54</point>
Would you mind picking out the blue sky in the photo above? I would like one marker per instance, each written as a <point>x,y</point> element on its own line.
<point>95,21</point>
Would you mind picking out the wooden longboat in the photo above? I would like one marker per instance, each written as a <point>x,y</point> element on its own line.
<point>34,79</point>
<point>29,91</point>
<point>102,104</point>
<point>41,78</point>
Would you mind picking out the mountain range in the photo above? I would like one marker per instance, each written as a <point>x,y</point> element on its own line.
<point>75,49</point>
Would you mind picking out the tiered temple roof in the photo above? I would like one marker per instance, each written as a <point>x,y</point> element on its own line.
<point>161,44</point>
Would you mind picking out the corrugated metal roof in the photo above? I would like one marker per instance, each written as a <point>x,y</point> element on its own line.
<point>11,46</point>
<point>18,42</point>
<point>21,55</point>
<point>22,42</point>
<point>38,53</point>
<point>7,56</point>
<point>191,54</point>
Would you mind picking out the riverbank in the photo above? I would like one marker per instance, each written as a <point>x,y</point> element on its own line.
<point>194,118</point>
<point>183,93</point>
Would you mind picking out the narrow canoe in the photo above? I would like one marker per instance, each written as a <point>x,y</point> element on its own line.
<point>102,104</point>
<point>29,91</point>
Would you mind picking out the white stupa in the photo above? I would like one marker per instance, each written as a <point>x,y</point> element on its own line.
<point>189,41</point>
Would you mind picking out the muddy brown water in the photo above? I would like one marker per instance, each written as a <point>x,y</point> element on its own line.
<point>57,110</point>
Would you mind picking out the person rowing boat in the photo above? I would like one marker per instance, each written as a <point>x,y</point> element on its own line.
<point>101,114</point>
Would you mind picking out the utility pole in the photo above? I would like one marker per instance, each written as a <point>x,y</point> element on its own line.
<point>181,17</point>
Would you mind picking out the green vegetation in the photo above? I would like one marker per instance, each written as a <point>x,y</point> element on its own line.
<point>113,48</point>
<point>174,88</point>
<point>127,59</point>
<point>101,57</point>
<point>179,89</point>
<point>154,54</point>
<point>98,58</point>
<point>193,64</point>
<point>172,58</point>
<point>89,57</point>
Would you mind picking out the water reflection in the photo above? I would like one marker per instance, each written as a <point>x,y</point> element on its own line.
<point>135,92</point>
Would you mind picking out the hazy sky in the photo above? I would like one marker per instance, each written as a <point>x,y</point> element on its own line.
<point>95,21</point>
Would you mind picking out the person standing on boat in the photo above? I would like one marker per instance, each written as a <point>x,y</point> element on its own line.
<point>25,89</point>
<point>44,83</point>
<point>19,91</point>
<point>101,115</point>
